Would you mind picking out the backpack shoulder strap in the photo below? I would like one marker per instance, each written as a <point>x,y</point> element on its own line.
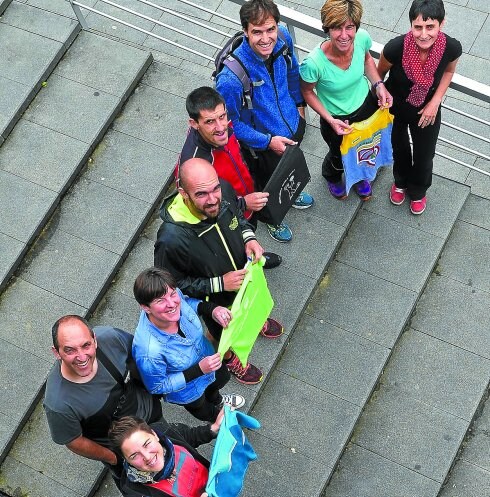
<point>113,371</point>
<point>285,50</point>
<point>235,65</point>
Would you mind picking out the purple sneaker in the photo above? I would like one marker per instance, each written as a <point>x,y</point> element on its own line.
<point>337,190</point>
<point>363,189</point>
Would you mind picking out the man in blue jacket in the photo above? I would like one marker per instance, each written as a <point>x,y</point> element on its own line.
<point>277,117</point>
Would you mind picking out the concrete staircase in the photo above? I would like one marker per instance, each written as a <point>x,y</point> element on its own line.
<point>381,397</point>
<point>349,397</point>
<point>66,264</point>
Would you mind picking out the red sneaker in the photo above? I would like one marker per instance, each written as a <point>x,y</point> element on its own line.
<point>397,195</point>
<point>418,206</point>
<point>248,375</point>
<point>272,329</point>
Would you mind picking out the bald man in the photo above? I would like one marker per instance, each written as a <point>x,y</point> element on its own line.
<point>204,241</point>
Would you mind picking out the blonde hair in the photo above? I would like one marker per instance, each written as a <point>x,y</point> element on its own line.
<point>335,12</point>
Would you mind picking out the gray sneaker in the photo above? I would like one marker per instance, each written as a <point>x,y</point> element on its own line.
<point>233,400</point>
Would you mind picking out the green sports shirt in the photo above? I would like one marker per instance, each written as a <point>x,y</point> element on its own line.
<point>340,91</point>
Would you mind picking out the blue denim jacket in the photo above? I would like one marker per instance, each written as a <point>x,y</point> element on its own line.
<point>161,357</point>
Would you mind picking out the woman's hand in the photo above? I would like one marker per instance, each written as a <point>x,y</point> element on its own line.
<point>340,127</point>
<point>210,363</point>
<point>385,100</point>
<point>219,419</point>
<point>428,114</point>
<point>222,315</point>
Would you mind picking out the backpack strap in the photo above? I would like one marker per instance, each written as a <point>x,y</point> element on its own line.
<point>113,371</point>
<point>235,65</point>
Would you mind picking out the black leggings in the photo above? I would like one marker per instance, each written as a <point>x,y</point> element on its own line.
<point>206,407</point>
<point>332,167</point>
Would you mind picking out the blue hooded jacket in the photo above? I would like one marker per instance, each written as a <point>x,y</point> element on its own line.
<point>275,102</point>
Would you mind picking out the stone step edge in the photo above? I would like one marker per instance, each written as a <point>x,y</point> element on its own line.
<point>81,164</point>
<point>388,358</point>
<point>467,434</point>
<point>3,5</point>
<point>38,84</point>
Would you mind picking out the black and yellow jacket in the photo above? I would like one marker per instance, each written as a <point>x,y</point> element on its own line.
<point>199,252</point>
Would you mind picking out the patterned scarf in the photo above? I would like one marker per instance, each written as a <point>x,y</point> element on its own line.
<point>422,76</point>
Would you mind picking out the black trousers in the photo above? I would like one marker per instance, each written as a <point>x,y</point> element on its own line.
<point>332,167</point>
<point>206,407</point>
<point>413,169</point>
<point>262,163</point>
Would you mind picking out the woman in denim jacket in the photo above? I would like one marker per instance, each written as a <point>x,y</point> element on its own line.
<point>173,356</point>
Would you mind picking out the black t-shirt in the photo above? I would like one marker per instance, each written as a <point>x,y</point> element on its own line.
<point>398,83</point>
<point>74,409</point>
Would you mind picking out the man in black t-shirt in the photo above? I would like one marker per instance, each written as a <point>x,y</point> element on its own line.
<point>85,390</point>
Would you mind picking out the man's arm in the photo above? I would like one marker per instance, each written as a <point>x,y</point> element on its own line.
<point>172,254</point>
<point>92,450</point>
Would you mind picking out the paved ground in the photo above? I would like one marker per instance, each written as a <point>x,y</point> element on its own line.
<point>382,265</point>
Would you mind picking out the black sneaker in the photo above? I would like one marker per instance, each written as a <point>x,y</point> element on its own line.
<point>271,260</point>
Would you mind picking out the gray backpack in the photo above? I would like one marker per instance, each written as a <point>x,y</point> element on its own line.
<point>227,58</point>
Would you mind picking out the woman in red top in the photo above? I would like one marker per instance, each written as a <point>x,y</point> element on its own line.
<point>161,460</point>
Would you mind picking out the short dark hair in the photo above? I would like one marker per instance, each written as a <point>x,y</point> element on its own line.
<point>63,320</point>
<point>123,428</point>
<point>428,9</point>
<point>203,98</point>
<point>257,11</point>
<point>151,284</point>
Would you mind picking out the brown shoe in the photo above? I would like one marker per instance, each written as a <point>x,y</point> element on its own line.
<point>248,375</point>
<point>272,329</point>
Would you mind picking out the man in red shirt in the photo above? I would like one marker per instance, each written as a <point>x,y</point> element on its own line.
<point>211,137</point>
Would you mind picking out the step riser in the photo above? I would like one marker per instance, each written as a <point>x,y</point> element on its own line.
<point>38,85</point>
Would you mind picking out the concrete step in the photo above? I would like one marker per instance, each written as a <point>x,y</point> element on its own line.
<point>69,266</point>
<point>34,41</point>
<point>470,475</point>
<point>414,424</point>
<point>56,135</point>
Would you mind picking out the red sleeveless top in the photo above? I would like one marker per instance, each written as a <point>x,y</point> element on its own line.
<point>190,476</point>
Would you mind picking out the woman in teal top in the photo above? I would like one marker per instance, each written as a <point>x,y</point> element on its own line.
<point>335,81</point>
